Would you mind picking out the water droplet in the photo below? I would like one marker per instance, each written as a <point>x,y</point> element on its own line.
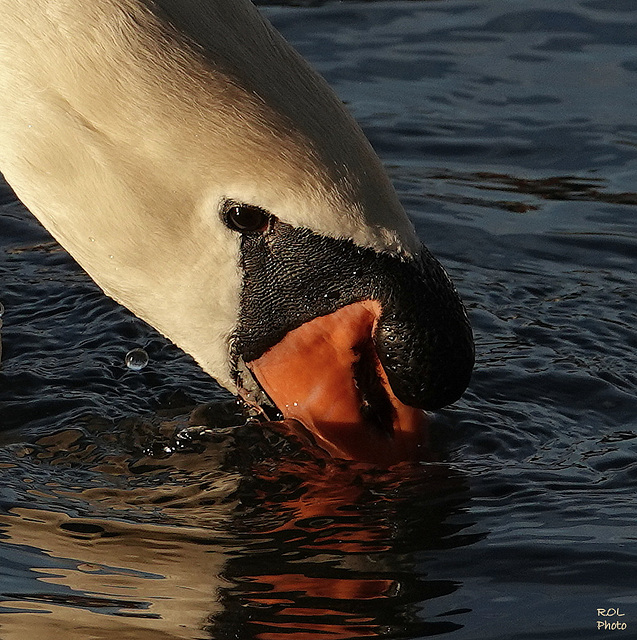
<point>91,238</point>
<point>136,359</point>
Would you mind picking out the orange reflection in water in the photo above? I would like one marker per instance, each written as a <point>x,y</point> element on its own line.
<point>337,522</point>
<point>329,618</point>
<point>311,623</point>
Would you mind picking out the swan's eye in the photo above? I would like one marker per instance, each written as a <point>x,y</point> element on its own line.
<point>246,218</point>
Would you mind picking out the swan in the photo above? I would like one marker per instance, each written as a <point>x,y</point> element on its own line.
<point>209,180</point>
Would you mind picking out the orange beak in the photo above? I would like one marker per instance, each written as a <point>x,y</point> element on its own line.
<point>326,374</point>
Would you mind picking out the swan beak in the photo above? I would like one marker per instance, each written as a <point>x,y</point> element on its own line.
<point>351,342</point>
<point>327,375</point>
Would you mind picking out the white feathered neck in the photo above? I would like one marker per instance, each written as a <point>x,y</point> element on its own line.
<point>124,125</point>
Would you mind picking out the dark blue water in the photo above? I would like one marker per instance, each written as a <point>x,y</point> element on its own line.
<point>510,131</point>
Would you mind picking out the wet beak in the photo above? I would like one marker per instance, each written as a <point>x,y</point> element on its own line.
<point>327,375</point>
<point>352,342</point>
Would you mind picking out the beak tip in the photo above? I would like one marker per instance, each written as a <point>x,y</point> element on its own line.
<point>429,378</point>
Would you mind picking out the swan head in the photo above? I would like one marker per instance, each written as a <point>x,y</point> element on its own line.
<point>210,181</point>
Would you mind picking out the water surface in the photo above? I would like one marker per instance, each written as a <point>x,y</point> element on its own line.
<point>509,130</point>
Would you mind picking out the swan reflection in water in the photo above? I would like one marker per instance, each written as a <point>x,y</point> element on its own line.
<point>247,533</point>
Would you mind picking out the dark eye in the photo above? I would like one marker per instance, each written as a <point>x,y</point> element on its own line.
<point>245,218</point>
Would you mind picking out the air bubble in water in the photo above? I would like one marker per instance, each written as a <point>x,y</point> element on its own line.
<point>136,359</point>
